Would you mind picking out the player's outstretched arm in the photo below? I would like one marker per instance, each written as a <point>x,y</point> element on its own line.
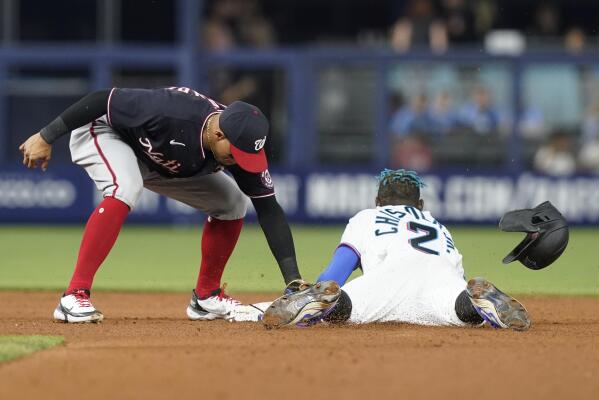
<point>37,150</point>
<point>344,262</point>
<point>278,235</point>
<point>86,110</point>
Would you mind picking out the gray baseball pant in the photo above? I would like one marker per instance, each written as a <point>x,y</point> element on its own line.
<point>116,171</point>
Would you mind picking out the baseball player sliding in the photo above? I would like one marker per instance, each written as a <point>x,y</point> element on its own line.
<point>176,142</point>
<point>412,272</point>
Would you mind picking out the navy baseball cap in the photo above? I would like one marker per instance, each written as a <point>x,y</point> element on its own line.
<point>246,128</point>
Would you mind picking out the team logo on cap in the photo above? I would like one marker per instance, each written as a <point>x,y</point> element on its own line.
<point>266,179</point>
<point>260,143</point>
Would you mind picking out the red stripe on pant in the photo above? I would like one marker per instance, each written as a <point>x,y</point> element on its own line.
<point>101,153</point>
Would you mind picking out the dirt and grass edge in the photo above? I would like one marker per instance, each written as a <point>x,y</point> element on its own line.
<point>16,346</point>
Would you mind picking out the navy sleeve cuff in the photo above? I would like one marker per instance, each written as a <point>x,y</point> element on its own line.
<point>54,130</point>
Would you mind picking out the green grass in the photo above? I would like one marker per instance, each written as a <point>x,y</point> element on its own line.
<point>12,347</point>
<point>167,259</point>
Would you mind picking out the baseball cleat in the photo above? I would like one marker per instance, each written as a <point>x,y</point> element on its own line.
<point>217,306</point>
<point>248,312</point>
<point>77,308</point>
<point>497,308</point>
<point>303,308</point>
<point>295,286</point>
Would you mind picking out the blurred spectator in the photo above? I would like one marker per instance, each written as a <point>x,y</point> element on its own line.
<point>546,21</point>
<point>480,115</point>
<point>217,36</point>
<point>574,41</point>
<point>588,157</point>
<point>409,125</point>
<point>396,101</point>
<point>532,123</point>
<point>419,27</point>
<point>555,157</point>
<point>258,31</point>
<point>590,124</point>
<point>411,152</point>
<point>442,113</point>
<point>218,32</point>
<point>459,21</point>
<point>485,13</point>
<point>433,24</point>
<point>240,22</point>
<point>414,118</point>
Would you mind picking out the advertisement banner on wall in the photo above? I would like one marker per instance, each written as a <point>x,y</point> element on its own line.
<point>66,195</point>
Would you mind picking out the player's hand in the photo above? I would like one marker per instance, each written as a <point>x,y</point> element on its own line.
<point>36,152</point>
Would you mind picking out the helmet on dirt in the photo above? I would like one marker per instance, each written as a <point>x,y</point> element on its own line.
<point>546,238</point>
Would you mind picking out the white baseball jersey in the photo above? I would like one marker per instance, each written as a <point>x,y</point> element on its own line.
<point>412,269</point>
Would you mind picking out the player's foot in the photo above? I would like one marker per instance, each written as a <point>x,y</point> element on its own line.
<point>303,308</point>
<point>497,308</point>
<point>216,306</point>
<point>295,286</point>
<point>76,307</point>
<point>249,312</point>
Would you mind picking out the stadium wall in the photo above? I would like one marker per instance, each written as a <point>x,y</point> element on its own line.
<point>66,195</point>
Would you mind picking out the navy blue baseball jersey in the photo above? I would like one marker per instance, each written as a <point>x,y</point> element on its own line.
<point>164,128</point>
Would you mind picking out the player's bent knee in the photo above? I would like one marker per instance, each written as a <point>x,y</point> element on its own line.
<point>128,192</point>
<point>342,310</point>
<point>234,206</point>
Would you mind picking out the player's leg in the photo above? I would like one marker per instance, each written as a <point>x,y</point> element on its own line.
<point>465,310</point>
<point>333,309</point>
<point>342,310</point>
<point>420,293</point>
<point>368,300</point>
<point>496,307</point>
<point>112,165</point>
<point>303,308</point>
<point>219,196</point>
<point>365,299</point>
<point>351,303</point>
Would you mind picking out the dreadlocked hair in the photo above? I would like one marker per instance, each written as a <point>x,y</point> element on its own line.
<point>399,187</point>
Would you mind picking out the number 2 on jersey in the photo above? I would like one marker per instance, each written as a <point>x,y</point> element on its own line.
<point>430,234</point>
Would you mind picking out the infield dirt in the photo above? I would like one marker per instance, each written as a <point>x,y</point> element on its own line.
<point>146,348</point>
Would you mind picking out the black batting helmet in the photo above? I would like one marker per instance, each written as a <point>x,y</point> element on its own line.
<point>546,238</point>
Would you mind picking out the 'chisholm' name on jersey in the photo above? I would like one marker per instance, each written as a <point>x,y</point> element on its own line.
<point>399,235</point>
